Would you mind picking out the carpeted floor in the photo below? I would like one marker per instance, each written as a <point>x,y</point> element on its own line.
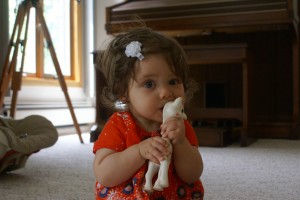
<point>268,169</point>
<point>61,172</point>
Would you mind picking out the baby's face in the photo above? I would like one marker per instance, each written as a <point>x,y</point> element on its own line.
<point>154,85</point>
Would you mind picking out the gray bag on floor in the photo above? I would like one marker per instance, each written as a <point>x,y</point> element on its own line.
<point>21,138</point>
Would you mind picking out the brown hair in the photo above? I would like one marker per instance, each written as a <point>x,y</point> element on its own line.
<point>118,69</point>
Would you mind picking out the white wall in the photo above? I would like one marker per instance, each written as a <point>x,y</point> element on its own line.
<point>101,38</point>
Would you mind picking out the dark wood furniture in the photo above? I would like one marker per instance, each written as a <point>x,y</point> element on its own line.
<point>185,17</point>
<point>269,28</point>
<point>221,54</point>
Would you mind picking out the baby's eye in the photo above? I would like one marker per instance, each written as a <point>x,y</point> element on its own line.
<point>174,81</point>
<point>149,84</point>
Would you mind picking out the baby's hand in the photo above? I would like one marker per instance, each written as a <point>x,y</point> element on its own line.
<point>174,129</point>
<point>154,149</point>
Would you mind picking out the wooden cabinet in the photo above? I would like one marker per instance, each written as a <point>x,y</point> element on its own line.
<point>269,100</point>
<point>221,54</point>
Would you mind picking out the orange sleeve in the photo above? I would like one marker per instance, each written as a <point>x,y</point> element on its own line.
<point>111,136</point>
<point>190,133</point>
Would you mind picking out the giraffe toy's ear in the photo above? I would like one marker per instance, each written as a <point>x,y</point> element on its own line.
<point>178,102</point>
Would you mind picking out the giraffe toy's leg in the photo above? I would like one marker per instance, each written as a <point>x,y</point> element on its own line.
<point>163,178</point>
<point>152,170</point>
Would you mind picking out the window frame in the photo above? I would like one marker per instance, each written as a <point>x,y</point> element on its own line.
<point>75,48</point>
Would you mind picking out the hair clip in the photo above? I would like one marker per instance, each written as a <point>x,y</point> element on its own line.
<point>133,49</point>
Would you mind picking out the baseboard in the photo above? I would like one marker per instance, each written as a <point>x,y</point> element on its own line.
<point>69,130</point>
<point>61,116</point>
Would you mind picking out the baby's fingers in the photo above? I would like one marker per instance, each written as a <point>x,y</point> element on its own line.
<point>153,157</point>
<point>161,145</point>
<point>153,149</point>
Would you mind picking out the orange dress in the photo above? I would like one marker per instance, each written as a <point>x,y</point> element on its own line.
<point>120,132</point>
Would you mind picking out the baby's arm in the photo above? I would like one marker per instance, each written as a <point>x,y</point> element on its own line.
<point>112,168</point>
<point>187,159</point>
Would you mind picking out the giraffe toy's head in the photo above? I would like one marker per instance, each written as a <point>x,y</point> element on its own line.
<point>174,109</point>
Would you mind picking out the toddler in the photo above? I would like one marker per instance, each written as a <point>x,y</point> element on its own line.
<point>144,70</point>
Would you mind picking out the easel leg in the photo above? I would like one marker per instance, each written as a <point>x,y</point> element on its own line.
<point>17,75</point>
<point>9,67</point>
<point>58,69</point>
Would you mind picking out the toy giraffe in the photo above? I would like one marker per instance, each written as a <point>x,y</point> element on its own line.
<point>171,109</point>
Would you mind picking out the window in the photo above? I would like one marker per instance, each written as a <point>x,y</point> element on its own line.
<point>62,21</point>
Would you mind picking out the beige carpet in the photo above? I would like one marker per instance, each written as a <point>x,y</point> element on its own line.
<point>61,172</point>
<point>268,169</point>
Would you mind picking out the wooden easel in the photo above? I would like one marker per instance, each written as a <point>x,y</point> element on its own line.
<point>10,72</point>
